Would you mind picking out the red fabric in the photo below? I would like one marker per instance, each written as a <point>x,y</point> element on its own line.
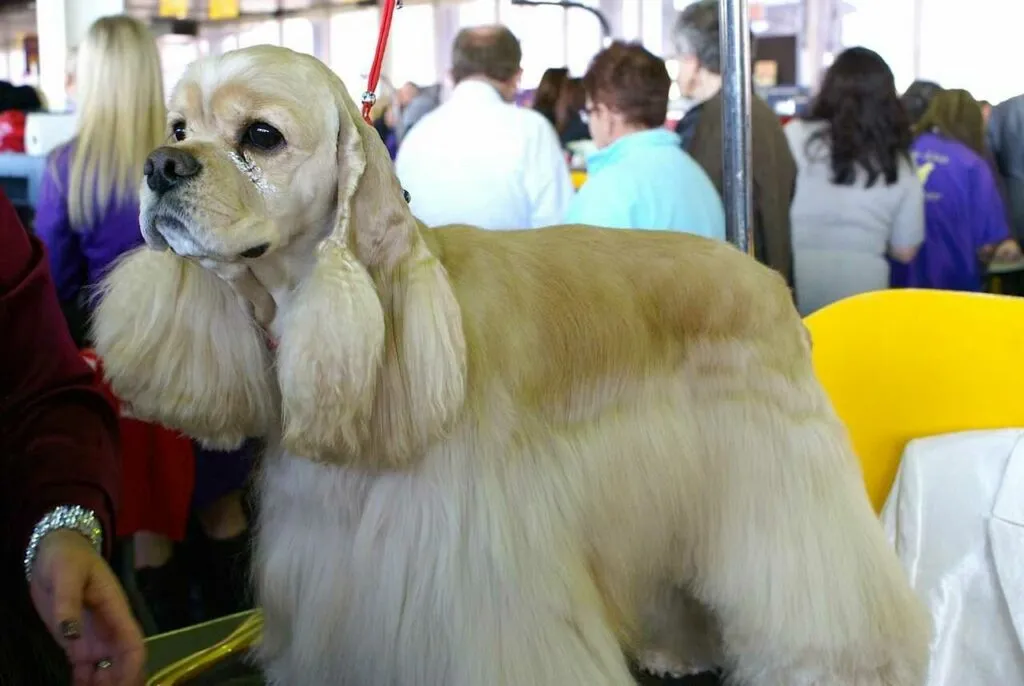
<point>158,472</point>
<point>58,433</point>
<point>12,131</point>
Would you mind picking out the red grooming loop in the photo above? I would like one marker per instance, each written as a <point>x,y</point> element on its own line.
<point>370,96</point>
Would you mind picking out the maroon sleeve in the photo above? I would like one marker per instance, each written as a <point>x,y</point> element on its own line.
<point>58,433</point>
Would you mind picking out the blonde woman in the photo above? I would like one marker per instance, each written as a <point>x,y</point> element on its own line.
<point>88,216</point>
<point>88,208</point>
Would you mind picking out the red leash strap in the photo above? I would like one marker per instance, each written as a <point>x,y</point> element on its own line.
<point>370,96</point>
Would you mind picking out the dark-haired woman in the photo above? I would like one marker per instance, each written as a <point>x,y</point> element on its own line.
<point>918,97</point>
<point>966,221</point>
<point>561,100</point>
<point>858,198</point>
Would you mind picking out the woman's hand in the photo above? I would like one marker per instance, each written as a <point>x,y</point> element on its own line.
<point>1007,251</point>
<point>84,607</point>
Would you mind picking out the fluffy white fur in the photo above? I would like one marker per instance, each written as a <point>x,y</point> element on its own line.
<point>510,458</point>
<point>329,395</point>
<point>210,356</point>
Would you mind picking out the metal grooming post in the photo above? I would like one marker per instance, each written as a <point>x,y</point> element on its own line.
<point>734,22</point>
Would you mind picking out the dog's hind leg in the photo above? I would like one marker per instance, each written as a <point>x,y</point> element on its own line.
<point>795,565</point>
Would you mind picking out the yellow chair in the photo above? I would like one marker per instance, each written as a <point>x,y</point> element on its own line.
<point>905,364</point>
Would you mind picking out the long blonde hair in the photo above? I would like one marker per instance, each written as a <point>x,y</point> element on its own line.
<point>121,116</point>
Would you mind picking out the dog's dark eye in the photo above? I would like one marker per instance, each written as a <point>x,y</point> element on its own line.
<point>262,136</point>
<point>178,130</point>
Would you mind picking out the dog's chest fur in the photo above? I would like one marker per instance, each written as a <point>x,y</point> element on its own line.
<point>447,575</point>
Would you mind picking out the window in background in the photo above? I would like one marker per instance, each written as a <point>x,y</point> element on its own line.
<point>674,91</point>
<point>986,36</point>
<point>582,38</point>
<point>630,28</point>
<point>228,43</point>
<point>16,67</point>
<point>176,53</point>
<point>353,40</point>
<point>888,29</point>
<point>297,34</point>
<point>652,27</point>
<point>478,13</point>
<point>412,46</point>
<point>265,32</point>
<point>541,32</point>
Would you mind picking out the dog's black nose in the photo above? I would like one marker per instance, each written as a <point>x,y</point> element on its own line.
<point>166,167</point>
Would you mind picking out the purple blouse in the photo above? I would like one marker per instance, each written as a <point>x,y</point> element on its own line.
<point>80,256</point>
<point>964,212</point>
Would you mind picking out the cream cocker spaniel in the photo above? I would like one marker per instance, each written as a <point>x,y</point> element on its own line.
<point>508,458</point>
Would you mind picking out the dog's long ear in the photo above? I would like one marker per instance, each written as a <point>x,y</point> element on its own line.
<point>179,347</point>
<point>372,354</point>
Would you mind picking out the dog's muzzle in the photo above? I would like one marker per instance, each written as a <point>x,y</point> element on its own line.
<point>163,231</point>
<point>166,169</point>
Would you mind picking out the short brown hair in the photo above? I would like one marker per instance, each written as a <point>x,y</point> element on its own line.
<point>627,78</point>
<point>490,51</point>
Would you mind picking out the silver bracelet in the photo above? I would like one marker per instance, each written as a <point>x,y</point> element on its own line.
<point>69,518</point>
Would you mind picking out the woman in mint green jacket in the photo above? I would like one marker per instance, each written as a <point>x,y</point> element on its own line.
<point>640,177</point>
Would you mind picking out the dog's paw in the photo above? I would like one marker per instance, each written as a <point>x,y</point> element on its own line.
<point>666,666</point>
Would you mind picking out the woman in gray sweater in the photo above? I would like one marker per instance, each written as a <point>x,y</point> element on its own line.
<point>858,197</point>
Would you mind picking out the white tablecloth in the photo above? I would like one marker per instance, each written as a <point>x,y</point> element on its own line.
<point>956,517</point>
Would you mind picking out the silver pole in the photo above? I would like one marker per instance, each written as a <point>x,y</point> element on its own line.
<point>734,22</point>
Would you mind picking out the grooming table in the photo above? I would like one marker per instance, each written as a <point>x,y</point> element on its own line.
<point>166,649</point>
<point>1006,278</point>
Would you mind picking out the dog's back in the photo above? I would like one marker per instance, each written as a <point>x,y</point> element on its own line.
<point>553,309</point>
<point>668,379</point>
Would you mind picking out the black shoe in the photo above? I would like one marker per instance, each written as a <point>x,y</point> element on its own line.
<point>165,590</point>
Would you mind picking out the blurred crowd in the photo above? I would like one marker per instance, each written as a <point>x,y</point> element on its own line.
<point>869,190</point>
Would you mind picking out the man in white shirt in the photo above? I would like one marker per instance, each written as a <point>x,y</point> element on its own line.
<point>478,159</point>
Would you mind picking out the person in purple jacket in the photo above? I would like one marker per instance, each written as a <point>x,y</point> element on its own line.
<point>966,224</point>
<point>87,215</point>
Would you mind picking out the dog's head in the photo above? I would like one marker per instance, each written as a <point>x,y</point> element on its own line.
<point>263,146</point>
<point>272,184</point>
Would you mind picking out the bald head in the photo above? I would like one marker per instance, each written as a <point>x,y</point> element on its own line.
<point>490,52</point>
